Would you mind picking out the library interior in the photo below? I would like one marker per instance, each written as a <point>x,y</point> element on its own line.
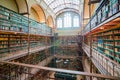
<point>59,39</point>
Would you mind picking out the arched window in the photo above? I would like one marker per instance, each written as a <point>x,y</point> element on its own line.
<point>67,20</point>
<point>76,21</point>
<point>59,23</point>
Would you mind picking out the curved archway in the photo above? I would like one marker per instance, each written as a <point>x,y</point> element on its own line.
<point>50,21</point>
<point>40,12</point>
<point>12,5</point>
<point>34,15</point>
<point>65,10</point>
<point>22,6</point>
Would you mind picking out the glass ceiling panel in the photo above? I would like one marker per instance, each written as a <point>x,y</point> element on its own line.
<point>59,8</point>
<point>57,5</point>
<point>48,1</point>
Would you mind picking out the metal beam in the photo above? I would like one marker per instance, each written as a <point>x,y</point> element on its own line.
<point>62,70</point>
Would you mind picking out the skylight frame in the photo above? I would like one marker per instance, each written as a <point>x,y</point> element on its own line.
<point>63,4</point>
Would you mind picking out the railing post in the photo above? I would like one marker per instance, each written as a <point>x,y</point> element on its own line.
<point>90,39</point>
<point>107,66</point>
<point>9,77</point>
<point>113,68</point>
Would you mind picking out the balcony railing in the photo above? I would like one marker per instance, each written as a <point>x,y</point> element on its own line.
<point>104,64</point>
<point>104,13</point>
<point>12,21</point>
<point>15,71</point>
<point>21,53</point>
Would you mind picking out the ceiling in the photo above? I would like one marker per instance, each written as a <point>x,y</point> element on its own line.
<point>58,5</point>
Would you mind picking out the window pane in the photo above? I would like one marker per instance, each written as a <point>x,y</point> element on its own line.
<point>76,21</point>
<point>67,20</point>
<point>59,23</point>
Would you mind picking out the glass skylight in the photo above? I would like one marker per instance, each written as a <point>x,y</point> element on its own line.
<point>57,5</point>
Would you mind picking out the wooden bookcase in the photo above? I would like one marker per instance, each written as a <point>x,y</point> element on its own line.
<point>12,21</point>
<point>107,42</point>
<point>34,58</point>
<point>14,34</point>
<point>17,42</point>
<point>15,71</point>
<point>10,43</point>
<point>105,10</point>
<point>66,45</point>
<point>3,44</point>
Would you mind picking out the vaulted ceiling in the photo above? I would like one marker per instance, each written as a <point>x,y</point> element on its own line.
<point>58,5</point>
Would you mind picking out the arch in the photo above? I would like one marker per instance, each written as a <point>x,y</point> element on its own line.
<point>65,10</point>
<point>40,12</point>
<point>34,15</point>
<point>70,19</point>
<point>50,21</point>
<point>12,5</point>
<point>22,6</point>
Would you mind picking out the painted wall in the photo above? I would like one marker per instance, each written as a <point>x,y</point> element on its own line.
<point>10,4</point>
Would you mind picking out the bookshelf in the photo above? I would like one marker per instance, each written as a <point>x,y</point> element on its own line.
<point>106,10</point>
<point>66,45</point>
<point>34,58</point>
<point>12,21</point>
<point>105,29</point>
<point>14,33</point>
<point>17,42</point>
<point>12,43</point>
<point>3,43</point>
<point>107,42</point>
<point>16,72</point>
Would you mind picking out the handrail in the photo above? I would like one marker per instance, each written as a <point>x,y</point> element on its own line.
<point>104,15</point>
<point>109,65</point>
<point>23,53</point>
<point>20,23</point>
<point>62,70</point>
<point>104,56</point>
